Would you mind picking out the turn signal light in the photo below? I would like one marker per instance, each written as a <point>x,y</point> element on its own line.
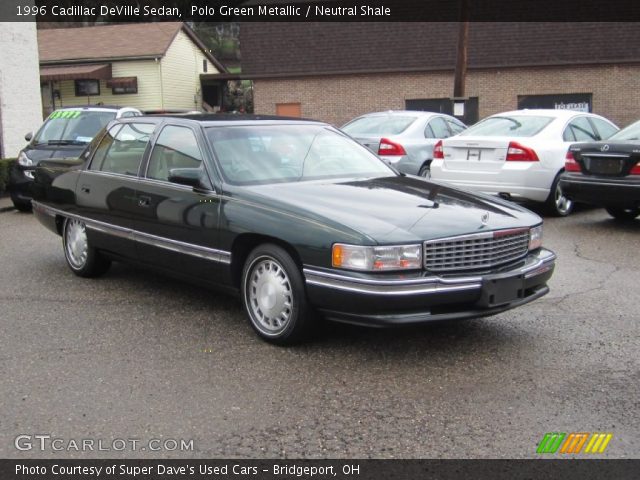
<point>520,153</point>
<point>388,147</point>
<point>570,164</point>
<point>438,151</point>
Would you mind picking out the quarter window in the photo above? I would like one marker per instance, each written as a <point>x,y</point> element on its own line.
<point>122,148</point>
<point>439,128</point>
<point>456,127</point>
<point>176,148</point>
<point>605,129</point>
<point>580,130</point>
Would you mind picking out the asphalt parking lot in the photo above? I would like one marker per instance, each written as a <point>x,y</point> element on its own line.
<point>135,355</point>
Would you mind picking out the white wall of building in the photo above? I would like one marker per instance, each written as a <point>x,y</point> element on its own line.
<point>20,100</point>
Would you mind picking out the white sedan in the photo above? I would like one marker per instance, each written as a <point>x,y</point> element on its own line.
<point>518,155</point>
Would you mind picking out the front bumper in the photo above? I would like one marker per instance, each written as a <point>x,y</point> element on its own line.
<point>602,191</point>
<point>373,300</point>
<point>20,181</point>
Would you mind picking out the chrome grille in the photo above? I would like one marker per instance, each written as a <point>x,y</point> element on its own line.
<point>476,251</point>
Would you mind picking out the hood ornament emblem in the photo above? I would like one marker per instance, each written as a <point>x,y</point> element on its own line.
<point>484,219</point>
<point>604,148</point>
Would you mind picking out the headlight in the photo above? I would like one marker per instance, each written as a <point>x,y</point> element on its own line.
<point>356,257</point>
<point>535,237</point>
<point>24,160</point>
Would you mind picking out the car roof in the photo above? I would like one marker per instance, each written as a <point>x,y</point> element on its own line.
<point>549,112</point>
<point>95,108</point>
<point>228,118</point>
<point>393,113</point>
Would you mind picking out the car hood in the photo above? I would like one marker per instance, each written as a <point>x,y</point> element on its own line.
<point>398,209</point>
<point>44,152</point>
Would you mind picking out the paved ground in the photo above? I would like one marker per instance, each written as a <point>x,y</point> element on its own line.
<point>134,355</point>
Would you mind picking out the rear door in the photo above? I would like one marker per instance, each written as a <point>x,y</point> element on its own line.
<point>176,224</point>
<point>106,191</point>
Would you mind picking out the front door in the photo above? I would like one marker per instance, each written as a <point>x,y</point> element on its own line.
<point>177,224</point>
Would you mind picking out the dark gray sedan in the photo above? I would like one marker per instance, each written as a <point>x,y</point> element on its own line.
<point>404,138</point>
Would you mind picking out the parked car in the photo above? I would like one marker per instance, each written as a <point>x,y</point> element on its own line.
<point>404,139</point>
<point>518,155</point>
<point>296,217</point>
<point>65,133</point>
<point>607,173</point>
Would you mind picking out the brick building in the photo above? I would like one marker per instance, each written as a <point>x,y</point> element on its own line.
<point>336,71</point>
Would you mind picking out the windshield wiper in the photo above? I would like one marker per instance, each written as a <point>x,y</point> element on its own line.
<point>66,142</point>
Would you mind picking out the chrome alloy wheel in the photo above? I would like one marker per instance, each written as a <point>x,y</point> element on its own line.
<point>269,296</point>
<point>563,204</point>
<point>76,244</point>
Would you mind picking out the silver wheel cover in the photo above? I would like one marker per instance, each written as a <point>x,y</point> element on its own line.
<point>269,296</point>
<point>563,204</point>
<point>76,245</point>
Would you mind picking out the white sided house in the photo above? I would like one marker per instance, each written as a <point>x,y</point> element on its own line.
<point>20,107</point>
<point>150,66</point>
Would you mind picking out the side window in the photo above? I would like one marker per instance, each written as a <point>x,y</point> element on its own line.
<point>605,129</point>
<point>103,148</point>
<point>122,150</point>
<point>582,130</point>
<point>439,127</point>
<point>176,147</point>
<point>456,127</point>
<point>129,113</point>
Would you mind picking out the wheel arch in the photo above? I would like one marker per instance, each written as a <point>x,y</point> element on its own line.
<point>245,243</point>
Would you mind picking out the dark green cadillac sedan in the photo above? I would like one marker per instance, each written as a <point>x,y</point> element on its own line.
<point>294,215</point>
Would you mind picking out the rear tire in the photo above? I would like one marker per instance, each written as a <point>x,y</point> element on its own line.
<point>557,204</point>
<point>425,170</point>
<point>82,258</point>
<point>274,297</point>
<point>623,214</point>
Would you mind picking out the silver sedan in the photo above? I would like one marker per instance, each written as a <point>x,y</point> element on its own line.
<point>404,138</point>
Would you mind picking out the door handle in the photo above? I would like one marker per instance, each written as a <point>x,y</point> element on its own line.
<point>85,189</point>
<point>144,201</point>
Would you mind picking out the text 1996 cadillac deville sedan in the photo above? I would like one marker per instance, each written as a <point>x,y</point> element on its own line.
<point>296,216</point>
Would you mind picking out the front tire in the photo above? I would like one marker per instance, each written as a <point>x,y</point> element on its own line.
<point>623,214</point>
<point>81,257</point>
<point>557,203</point>
<point>274,297</point>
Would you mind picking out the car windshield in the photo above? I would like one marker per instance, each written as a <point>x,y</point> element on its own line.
<point>261,154</point>
<point>378,125</point>
<point>72,127</point>
<point>631,132</point>
<point>508,126</point>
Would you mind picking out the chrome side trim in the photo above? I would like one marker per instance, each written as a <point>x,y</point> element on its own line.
<point>427,285</point>
<point>215,255</point>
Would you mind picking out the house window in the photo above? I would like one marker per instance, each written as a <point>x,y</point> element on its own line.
<point>87,88</point>
<point>123,85</point>
<point>205,66</point>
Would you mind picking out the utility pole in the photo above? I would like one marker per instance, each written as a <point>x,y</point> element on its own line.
<point>461,59</point>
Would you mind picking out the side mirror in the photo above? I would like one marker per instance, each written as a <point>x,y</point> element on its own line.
<point>185,176</point>
<point>28,136</point>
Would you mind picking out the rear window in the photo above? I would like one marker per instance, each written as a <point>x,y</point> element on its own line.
<point>72,127</point>
<point>378,125</point>
<point>509,126</point>
<point>632,132</point>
